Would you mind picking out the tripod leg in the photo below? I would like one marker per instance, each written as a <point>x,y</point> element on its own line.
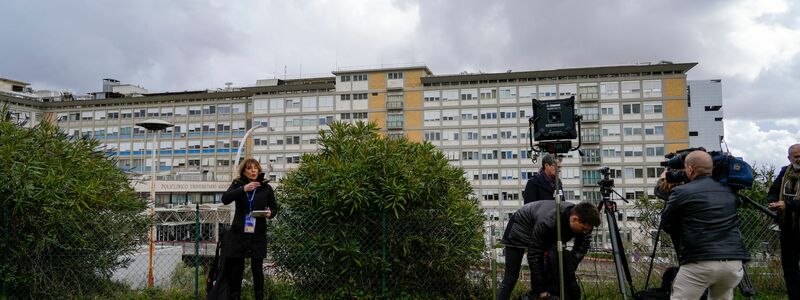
<point>746,285</point>
<point>619,256</point>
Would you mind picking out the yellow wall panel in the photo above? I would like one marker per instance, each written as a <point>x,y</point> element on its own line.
<point>377,80</point>
<point>675,87</point>
<point>675,109</point>
<point>676,131</point>
<point>414,135</point>
<point>670,148</point>
<point>379,118</point>
<point>413,100</point>
<point>412,78</point>
<point>377,101</point>
<point>413,119</point>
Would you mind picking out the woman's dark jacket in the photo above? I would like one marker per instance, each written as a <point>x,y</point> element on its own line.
<point>533,227</point>
<point>538,188</point>
<point>239,243</point>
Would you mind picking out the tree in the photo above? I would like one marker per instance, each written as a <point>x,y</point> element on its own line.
<point>369,214</point>
<point>69,215</point>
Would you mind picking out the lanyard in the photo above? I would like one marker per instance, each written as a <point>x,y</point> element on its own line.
<point>250,200</point>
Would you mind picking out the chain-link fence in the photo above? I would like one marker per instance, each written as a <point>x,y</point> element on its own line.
<point>416,256</point>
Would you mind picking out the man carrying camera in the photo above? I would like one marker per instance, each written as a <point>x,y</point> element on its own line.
<point>784,197</point>
<point>702,213</point>
<point>543,183</point>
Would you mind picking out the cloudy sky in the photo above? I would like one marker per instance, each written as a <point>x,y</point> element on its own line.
<point>752,45</point>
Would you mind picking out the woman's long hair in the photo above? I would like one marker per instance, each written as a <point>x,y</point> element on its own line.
<point>244,165</point>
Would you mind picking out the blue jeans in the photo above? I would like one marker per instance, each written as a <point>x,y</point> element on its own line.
<point>513,263</point>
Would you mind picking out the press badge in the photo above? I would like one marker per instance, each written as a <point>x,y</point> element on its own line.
<point>249,224</point>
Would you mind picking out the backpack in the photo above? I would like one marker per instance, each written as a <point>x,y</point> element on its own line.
<point>662,292</point>
<point>216,284</point>
<point>732,171</point>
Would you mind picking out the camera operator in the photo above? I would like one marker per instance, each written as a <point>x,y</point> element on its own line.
<point>702,213</point>
<point>783,197</point>
<point>542,184</point>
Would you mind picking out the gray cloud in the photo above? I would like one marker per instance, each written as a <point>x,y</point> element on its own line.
<point>180,45</point>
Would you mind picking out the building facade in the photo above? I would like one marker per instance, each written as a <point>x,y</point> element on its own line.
<point>705,112</point>
<point>632,116</point>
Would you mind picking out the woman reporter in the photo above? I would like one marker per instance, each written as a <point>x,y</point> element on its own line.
<point>247,235</point>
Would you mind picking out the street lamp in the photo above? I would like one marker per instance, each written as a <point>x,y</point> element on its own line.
<point>154,125</point>
<point>241,145</point>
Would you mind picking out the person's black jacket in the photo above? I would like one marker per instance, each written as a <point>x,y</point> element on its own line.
<point>533,227</point>
<point>239,243</point>
<point>703,214</point>
<point>537,189</point>
<point>792,206</point>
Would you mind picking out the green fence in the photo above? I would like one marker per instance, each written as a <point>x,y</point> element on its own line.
<point>393,266</point>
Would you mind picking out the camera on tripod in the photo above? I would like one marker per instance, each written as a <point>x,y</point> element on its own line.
<point>606,184</point>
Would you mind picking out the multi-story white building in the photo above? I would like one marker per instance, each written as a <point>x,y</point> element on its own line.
<point>705,114</point>
<point>632,116</point>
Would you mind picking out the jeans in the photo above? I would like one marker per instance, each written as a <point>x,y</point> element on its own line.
<point>234,268</point>
<point>790,257</point>
<point>514,262</point>
<point>511,275</point>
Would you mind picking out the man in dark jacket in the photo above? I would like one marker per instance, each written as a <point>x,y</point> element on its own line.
<point>533,228</point>
<point>702,213</point>
<point>784,197</point>
<point>543,183</point>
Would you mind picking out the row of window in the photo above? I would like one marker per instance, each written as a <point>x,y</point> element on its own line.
<point>602,90</point>
<point>220,109</point>
<point>363,77</point>
<point>510,113</point>
<point>191,127</point>
<point>653,107</point>
<point>570,195</point>
<point>309,120</point>
<point>470,134</point>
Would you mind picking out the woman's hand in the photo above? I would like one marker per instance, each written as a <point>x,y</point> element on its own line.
<point>251,186</point>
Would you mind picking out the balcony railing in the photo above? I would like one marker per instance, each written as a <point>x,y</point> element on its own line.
<point>394,105</point>
<point>591,138</point>
<point>590,160</point>
<point>394,124</point>
<point>591,117</point>
<point>591,181</point>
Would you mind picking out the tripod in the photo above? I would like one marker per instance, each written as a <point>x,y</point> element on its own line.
<point>610,209</point>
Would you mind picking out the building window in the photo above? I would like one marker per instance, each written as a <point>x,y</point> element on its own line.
<point>692,133</point>
<point>653,108</point>
<point>395,75</point>
<point>344,97</point>
<point>433,136</point>
<point>345,78</point>
<point>635,108</point>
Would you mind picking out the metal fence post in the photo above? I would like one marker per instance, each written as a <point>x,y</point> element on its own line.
<point>493,263</point>
<point>197,250</point>
<point>5,249</point>
<point>383,253</point>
